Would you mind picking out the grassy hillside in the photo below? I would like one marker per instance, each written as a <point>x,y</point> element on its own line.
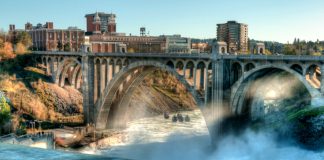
<point>34,97</point>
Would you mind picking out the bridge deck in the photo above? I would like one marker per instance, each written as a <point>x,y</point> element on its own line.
<point>188,55</point>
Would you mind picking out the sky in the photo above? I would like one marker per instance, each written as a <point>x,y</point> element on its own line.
<point>273,20</point>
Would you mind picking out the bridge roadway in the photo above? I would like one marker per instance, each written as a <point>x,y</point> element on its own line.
<point>301,58</point>
<point>215,80</point>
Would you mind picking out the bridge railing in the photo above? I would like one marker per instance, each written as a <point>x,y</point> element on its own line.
<point>152,55</point>
<point>189,55</point>
<point>274,57</point>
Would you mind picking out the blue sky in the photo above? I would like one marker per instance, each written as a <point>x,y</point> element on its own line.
<point>279,20</point>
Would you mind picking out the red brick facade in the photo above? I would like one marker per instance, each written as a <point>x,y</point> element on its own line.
<point>109,43</point>
<point>104,47</point>
<point>90,25</point>
<point>49,39</point>
<point>107,22</point>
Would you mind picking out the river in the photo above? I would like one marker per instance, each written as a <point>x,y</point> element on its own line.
<point>158,139</point>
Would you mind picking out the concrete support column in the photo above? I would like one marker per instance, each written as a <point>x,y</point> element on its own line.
<point>201,78</point>
<point>102,77</point>
<point>78,79</point>
<point>55,64</point>
<point>184,70</point>
<point>97,80</point>
<point>111,71</point>
<point>195,77</point>
<point>322,79</point>
<point>53,69</point>
<point>217,105</point>
<point>311,74</point>
<point>114,68</point>
<point>107,72</point>
<point>205,78</point>
<point>48,68</point>
<point>304,72</point>
<point>206,84</point>
<point>87,88</point>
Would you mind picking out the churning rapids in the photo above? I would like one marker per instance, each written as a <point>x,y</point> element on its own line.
<point>159,139</point>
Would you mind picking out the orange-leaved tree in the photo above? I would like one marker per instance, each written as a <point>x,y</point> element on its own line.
<point>20,48</point>
<point>7,51</point>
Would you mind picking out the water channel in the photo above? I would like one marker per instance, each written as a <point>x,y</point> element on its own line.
<point>158,139</point>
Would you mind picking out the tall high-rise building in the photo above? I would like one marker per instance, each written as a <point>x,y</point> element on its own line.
<point>235,35</point>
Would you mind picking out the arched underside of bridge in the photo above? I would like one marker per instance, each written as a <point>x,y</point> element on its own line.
<point>243,93</point>
<point>112,105</point>
<point>68,72</point>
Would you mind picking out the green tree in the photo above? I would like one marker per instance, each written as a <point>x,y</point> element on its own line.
<point>289,49</point>
<point>4,111</point>
<point>25,39</point>
<point>60,46</point>
<point>67,47</point>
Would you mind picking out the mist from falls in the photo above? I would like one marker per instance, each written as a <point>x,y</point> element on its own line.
<point>159,139</point>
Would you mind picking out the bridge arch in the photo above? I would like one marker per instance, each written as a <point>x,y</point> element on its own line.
<point>62,68</point>
<point>118,65</point>
<point>170,64</point>
<point>137,71</point>
<point>298,68</point>
<point>242,85</point>
<point>249,66</point>
<point>201,68</point>
<point>236,72</point>
<point>180,66</point>
<point>125,62</point>
<point>190,65</point>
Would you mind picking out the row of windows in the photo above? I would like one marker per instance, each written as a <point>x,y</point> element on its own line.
<point>131,39</point>
<point>51,36</point>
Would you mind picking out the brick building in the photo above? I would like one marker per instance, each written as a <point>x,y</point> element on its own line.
<point>122,43</point>
<point>106,23</point>
<point>101,29</point>
<point>45,37</point>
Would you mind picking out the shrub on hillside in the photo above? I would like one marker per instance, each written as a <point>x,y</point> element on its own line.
<point>4,111</point>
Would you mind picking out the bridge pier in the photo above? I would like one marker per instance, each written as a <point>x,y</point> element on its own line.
<point>206,84</point>
<point>195,77</point>
<point>322,79</point>
<point>88,88</point>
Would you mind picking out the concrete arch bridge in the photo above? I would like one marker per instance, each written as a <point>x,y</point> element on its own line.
<point>217,81</point>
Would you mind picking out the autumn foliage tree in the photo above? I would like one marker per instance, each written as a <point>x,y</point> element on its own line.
<point>20,48</point>
<point>1,43</point>
<point>7,51</point>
